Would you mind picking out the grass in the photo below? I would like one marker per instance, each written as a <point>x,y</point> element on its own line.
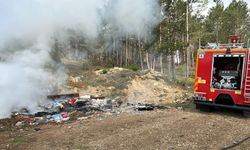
<point>185,82</point>
<point>5,129</point>
<point>104,71</point>
<point>20,140</point>
<point>133,67</point>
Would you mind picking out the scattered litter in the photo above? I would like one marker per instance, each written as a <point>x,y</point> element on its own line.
<point>56,118</point>
<point>29,120</point>
<point>59,108</point>
<point>82,118</point>
<point>20,123</point>
<point>41,120</point>
<point>85,97</point>
<point>72,101</point>
<point>97,97</point>
<point>60,117</point>
<point>145,107</point>
<point>65,107</point>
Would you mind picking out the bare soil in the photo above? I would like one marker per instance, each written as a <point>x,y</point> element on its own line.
<point>168,129</point>
<point>150,88</point>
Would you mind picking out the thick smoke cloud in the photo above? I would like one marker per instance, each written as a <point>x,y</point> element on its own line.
<point>24,81</point>
<point>26,30</point>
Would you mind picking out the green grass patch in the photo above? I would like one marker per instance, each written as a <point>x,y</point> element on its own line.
<point>133,67</point>
<point>104,71</point>
<point>20,140</point>
<point>5,129</point>
<point>185,82</point>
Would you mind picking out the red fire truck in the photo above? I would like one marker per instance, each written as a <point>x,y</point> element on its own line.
<point>223,76</point>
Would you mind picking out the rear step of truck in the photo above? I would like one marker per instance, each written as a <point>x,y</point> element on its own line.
<point>247,80</point>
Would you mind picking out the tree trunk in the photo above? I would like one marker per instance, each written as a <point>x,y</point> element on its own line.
<point>159,46</point>
<point>169,66</point>
<point>154,63</point>
<point>161,64</point>
<point>151,62</point>
<point>126,51</point>
<point>173,66</point>
<point>187,61</point>
<point>117,54</point>
<point>147,58</point>
<point>121,56</point>
<point>192,58</point>
<point>140,51</point>
<point>188,45</point>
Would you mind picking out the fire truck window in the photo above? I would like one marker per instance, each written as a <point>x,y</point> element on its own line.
<point>227,73</point>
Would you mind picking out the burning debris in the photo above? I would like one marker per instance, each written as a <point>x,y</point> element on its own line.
<point>142,107</point>
<point>64,107</point>
<point>59,108</point>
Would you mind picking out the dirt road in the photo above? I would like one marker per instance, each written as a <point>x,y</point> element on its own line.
<point>167,129</point>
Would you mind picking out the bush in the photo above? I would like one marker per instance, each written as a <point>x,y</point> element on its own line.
<point>98,68</point>
<point>133,67</point>
<point>104,71</point>
<point>185,82</point>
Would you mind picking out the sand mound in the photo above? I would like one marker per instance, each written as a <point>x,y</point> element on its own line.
<point>150,88</point>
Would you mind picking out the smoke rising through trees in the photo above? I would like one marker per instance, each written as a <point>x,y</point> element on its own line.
<point>30,30</point>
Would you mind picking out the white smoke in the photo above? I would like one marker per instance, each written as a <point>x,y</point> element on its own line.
<point>134,16</point>
<point>24,79</point>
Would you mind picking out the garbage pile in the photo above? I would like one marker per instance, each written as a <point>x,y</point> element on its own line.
<point>141,106</point>
<point>61,108</point>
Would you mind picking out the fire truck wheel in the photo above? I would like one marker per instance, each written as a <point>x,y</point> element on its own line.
<point>204,108</point>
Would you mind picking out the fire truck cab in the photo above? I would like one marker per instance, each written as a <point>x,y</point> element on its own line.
<point>223,76</point>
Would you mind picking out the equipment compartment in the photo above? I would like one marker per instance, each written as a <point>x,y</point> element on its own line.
<point>227,72</point>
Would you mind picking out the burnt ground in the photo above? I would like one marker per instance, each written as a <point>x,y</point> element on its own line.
<point>163,129</point>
